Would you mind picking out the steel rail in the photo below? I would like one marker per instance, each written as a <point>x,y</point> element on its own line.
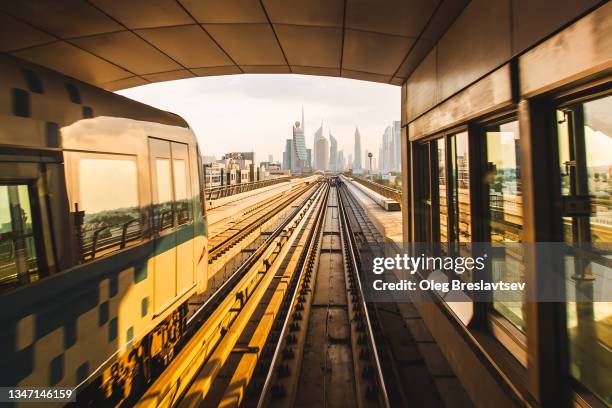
<point>346,228</point>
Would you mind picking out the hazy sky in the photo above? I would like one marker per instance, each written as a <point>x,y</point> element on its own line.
<point>256,112</point>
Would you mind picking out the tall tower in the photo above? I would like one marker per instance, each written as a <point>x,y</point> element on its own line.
<point>333,153</point>
<point>299,155</point>
<point>357,156</point>
<point>321,150</point>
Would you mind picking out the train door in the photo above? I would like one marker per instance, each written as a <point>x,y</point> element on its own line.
<point>183,200</point>
<point>163,223</point>
<point>172,217</point>
<point>585,159</point>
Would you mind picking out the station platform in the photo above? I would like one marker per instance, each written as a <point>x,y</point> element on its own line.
<point>388,223</point>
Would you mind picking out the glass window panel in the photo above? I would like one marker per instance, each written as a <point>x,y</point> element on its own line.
<point>462,185</point>
<point>183,203</point>
<point>506,212</point>
<point>163,210</point>
<point>18,258</point>
<point>107,200</point>
<point>585,142</point>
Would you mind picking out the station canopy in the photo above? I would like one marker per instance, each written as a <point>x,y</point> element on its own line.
<point>117,44</point>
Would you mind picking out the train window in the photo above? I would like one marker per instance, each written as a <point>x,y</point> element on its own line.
<point>34,83</point>
<point>164,213</point>
<point>183,201</point>
<point>104,198</point>
<point>73,93</point>
<point>585,143</point>
<point>505,212</point>
<point>21,103</point>
<point>18,254</point>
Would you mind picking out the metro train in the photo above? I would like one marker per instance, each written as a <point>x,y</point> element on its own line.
<point>103,234</point>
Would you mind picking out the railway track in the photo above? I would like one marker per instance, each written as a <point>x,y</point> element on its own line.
<point>252,219</point>
<point>327,356</point>
<point>409,378</point>
<point>292,327</point>
<point>218,323</point>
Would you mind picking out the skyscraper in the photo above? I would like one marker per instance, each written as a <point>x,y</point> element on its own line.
<point>287,154</point>
<point>349,163</point>
<point>367,160</point>
<point>387,156</point>
<point>357,158</point>
<point>321,150</point>
<point>299,155</point>
<point>341,162</point>
<point>333,153</point>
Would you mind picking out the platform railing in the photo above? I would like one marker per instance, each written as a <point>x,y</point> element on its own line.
<point>214,193</point>
<point>388,192</point>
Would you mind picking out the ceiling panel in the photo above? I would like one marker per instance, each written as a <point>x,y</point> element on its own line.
<point>328,13</point>
<point>444,17</point>
<point>248,44</point>
<point>124,83</point>
<point>145,13</point>
<point>169,76</point>
<point>266,69</point>
<point>189,45</point>
<point>208,71</point>
<point>226,11</point>
<point>129,51</point>
<point>296,69</point>
<point>372,52</point>
<point>311,46</point>
<point>366,76</point>
<point>64,18</point>
<point>420,49</point>
<point>74,62</point>
<point>398,17</point>
<point>15,35</point>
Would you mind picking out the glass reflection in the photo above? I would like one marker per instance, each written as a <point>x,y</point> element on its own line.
<point>585,143</point>
<point>442,191</point>
<point>18,260</point>
<point>506,212</point>
<point>461,192</point>
<point>105,202</point>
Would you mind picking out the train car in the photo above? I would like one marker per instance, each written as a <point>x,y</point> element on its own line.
<point>102,234</point>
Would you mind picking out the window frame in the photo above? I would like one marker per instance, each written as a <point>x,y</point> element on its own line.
<point>562,100</point>
<point>504,331</point>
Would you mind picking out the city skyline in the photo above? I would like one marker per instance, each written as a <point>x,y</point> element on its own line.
<point>256,112</point>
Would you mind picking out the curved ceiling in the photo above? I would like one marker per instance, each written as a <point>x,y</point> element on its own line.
<point>119,44</point>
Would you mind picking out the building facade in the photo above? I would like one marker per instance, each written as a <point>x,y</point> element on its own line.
<point>299,154</point>
<point>333,153</point>
<point>357,157</point>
